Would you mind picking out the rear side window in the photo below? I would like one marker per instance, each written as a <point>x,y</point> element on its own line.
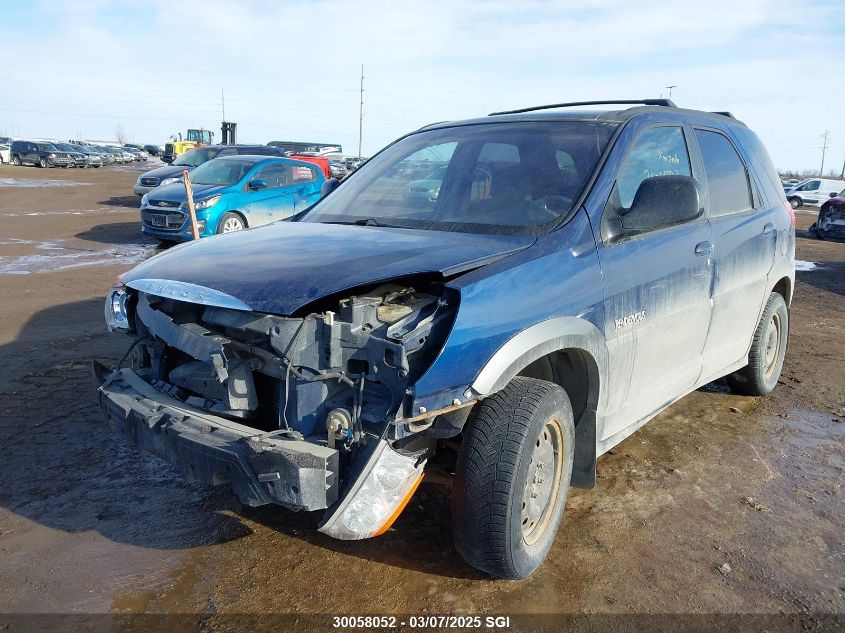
<point>300,175</point>
<point>659,151</point>
<point>727,178</point>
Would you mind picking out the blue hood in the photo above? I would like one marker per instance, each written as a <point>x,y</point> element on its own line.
<point>282,267</point>
<point>175,192</point>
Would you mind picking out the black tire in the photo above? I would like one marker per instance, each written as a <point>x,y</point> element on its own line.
<point>795,203</point>
<point>768,349</point>
<point>42,162</point>
<point>16,161</point>
<point>496,527</point>
<point>231,218</point>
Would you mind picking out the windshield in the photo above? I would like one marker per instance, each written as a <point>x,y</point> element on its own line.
<point>46,147</point>
<point>195,157</point>
<point>65,147</point>
<point>504,178</point>
<point>223,171</point>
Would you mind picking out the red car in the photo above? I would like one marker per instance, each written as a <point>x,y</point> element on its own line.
<point>831,222</point>
<point>321,161</point>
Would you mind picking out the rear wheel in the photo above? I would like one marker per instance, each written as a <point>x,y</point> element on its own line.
<point>512,478</point>
<point>16,160</point>
<point>230,222</point>
<point>768,348</point>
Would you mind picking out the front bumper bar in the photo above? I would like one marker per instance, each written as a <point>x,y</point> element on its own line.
<point>208,448</point>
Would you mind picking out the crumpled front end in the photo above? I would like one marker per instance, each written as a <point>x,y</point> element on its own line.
<point>831,222</point>
<point>308,411</point>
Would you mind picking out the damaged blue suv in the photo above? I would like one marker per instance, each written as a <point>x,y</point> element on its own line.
<point>577,272</point>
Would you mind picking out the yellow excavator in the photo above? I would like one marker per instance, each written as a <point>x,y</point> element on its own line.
<point>177,146</point>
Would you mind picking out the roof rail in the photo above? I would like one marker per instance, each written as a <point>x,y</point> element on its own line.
<point>727,114</point>
<point>654,102</point>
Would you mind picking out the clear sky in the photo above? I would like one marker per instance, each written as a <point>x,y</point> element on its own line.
<point>291,70</point>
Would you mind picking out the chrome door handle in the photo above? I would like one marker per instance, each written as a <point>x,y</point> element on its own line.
<point>768,229</point>
<point>704,248</point>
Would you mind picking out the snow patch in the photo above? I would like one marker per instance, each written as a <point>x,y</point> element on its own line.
<point>35,182</point>
<point>802,266</point>
<point>60,257</point>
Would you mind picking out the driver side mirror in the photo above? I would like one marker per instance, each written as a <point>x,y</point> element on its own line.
<point>662,201</point>
<point>330,185</point>
<point>257,185</point>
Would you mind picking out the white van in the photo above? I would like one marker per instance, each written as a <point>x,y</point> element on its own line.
<point>813,191</point>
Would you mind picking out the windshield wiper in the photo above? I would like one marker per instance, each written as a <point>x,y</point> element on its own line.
<point>368,222</point>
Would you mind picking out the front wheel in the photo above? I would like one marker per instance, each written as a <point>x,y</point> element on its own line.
<point>795,203</point>
<point>43,163</point>
<point>230,222</point>
<point>512,478</point>
<point>768,348</point>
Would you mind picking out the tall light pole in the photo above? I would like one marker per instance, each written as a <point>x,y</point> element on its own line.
<point>824,138</point>
<point>670,90</point>
<point>361,113</point>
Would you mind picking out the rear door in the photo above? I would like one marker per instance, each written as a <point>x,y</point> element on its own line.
<point>657,289</point>
<point>745,238</point>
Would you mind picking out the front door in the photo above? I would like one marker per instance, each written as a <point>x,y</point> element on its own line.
<point>272,202</point>
<point>657,290</point>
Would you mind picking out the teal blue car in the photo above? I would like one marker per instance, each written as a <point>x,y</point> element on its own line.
<point>230,194</point>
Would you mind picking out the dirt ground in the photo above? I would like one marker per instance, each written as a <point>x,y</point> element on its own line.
<point>88,526</point>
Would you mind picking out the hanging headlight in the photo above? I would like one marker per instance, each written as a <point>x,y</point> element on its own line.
<point>378,497</point>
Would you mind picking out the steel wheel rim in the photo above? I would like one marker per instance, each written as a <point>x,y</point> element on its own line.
<point>772,344</point>
<point>545,470</point>
<point>232,224</point>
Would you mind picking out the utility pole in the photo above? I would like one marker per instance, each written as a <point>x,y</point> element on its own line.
<point>361,113</point>
<point>824,137</point>
<point>223,103</point>
<point>842,173</point>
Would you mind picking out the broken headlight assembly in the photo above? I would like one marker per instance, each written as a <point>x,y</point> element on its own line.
<point>378,497</point>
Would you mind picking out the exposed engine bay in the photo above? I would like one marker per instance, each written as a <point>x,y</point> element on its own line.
<point>316,402</point>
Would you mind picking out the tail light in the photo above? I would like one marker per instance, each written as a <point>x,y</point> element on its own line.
<point>791,212</point>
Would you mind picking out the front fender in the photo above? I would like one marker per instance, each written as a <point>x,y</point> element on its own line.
<point>540,340</point>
